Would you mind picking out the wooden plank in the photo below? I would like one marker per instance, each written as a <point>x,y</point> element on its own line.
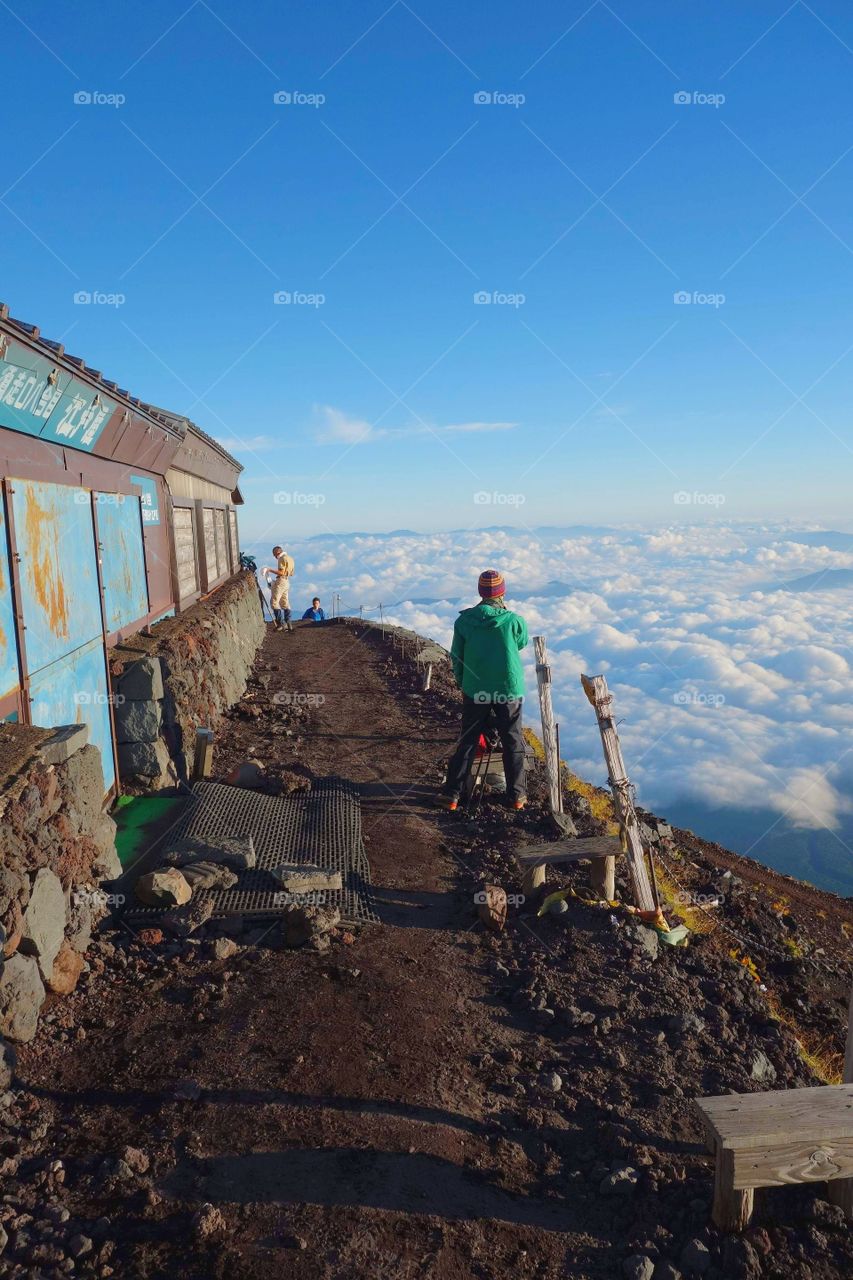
<point>781,1163</point>
<point>644,889</point>
<point>568,851</point>
<point>549,733</point>
<point>747,1121</point>
<point>841,1190</point>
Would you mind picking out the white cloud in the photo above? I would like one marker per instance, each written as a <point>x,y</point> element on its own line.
<point>338,427</point>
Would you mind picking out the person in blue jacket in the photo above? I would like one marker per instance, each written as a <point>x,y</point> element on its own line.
<point>315,613</point>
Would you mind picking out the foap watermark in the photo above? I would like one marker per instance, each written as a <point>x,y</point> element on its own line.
<point>483,498</point>
<point>495,298</point>
<point>698,698</point>
<point>493,695</point>
<point>97,899</point>
<point>96,698</point>
<point>497,98</point>
<point>296,98</point>
<point>686,298</point>
<point>685,499</point>
<point>285,699</point>
<point>94,98</point>
<point>103,499</point>
<point>704,900</point>
<point>295,298</point>
<point>696,98</point>
<point>98,298</point>
<point>513,899</point>
<point>295,498</point>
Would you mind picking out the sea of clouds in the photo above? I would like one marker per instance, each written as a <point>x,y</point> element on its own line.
<point>731,689</point>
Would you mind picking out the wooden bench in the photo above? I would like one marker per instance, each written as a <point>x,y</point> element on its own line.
<point>776,1138</point>
<point>532,859</point>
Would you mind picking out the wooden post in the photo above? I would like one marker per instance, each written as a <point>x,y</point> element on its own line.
<point>428,677</point>
<point>840,1190</point>
<point>645,894</point>
<point>203,756</point>
<point>732,1209</point>
<point>549,735</point>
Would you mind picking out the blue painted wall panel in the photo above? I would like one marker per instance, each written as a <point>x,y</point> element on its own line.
<point>9,672</point>
<point>58,570</point>
<point>42,399</point>
<point>122,559</point>
<point>74,690</point>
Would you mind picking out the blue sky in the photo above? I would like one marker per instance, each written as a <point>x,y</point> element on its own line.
<point>399,197</point>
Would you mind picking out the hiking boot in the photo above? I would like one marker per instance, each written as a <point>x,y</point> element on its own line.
<point>276,626</point>
<point>449,803</point>
<point>290,626</point>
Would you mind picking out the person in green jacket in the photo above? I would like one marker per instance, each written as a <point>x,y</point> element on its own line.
<point>487,668</point>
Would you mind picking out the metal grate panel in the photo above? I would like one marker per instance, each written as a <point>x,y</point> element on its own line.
<point>321,826</point>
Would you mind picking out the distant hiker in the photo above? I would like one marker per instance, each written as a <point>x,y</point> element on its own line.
<point>315,613</point>
<point>280,592</point>
<point>487,668</point>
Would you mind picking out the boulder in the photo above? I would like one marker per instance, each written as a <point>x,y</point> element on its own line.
<point>185,920</point>
<point>7,1065</point>
<point>638,1267</point>
<point>138,721</point>
<point>309,923</point>
<point>141,681</point>
<point>762,1068</point>
<point>12,923</point>
<point>208,875</point>
<point>44,920</point>
<point>66,971</point>
<point>237,852</point>
<point>306,878</point>
<point>166,888</point>
<point>63,742</point>
<point>106,866</point>
<point>21,997</point>
<point>249,773</point>
<point>695,1258</point>
<point>492,907</point>
<point>143,759</point>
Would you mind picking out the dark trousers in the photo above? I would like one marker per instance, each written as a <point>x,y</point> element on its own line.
<point>475,720</point>
<point>282,616</point>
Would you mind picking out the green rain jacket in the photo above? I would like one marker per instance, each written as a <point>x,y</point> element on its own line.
<point>484,653</point>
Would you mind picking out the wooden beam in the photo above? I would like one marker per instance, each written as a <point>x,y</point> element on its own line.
<point>549,733</point>
<point>568,851</point>
<point>841,1190</point>
<point>644,888</point>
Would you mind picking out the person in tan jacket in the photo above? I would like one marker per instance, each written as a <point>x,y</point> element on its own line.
<point>280,591</point>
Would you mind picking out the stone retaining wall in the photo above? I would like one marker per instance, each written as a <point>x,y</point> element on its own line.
<point>182,677</point>
<point>56,847</point>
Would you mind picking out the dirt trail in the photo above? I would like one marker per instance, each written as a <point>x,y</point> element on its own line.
<point>338,1110</point>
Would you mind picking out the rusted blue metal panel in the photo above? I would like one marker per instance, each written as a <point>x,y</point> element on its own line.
<point>41,398</point>
<point>9,670</point>
<point>74,690</point>
<point>58,570</point>
<point>122,559</point>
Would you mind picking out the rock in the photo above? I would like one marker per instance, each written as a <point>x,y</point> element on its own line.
<point>85,908</point>
<point>163,888</point>
<point>829,1215</point>
<point>666,1271</point>
<point>739,1258</point>
<point>106,865</point>
<point>143,759</point>
<point>551,1081</point>
<point>80,1246</point>
<point>208,1223</point>
<point>558,908</point>
<point>695,1258</point>
<point>13,886</point>
<point>8,1062</point>
<point>306,878</point>
<point>4,1239</point>
<point>44,920</point>
<point>12,924</point>
<point>136,1160</point>
<point>141,681</point>
<point>185,920</point>
<point>492,907</point>
<point>762,1069</point>
<point>646,938</point>
<point>304,924</point>
<point>66,970</point>
<point>638,1267</point>
<point>208,875</point>
<point>237,852</point>
<point>224,949</point>
<point>63,743</point>
<point>250,773</point>
<point>138,721</point>
<point>621,1181</point>
<point>150,937</point>
<point>21,997</point>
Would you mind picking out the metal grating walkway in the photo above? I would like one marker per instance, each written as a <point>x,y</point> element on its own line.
<point>321,826</point>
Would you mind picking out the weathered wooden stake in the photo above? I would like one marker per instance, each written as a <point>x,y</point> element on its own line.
<point>549,735</point>
<point>840,1190</point>
<point>428,676</point>
<point>203,755</point>
<point>645,893</point>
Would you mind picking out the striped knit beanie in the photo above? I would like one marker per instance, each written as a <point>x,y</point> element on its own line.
<point>491,585</point>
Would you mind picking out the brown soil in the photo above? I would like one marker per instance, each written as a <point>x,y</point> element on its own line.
<point>383,1110</point>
